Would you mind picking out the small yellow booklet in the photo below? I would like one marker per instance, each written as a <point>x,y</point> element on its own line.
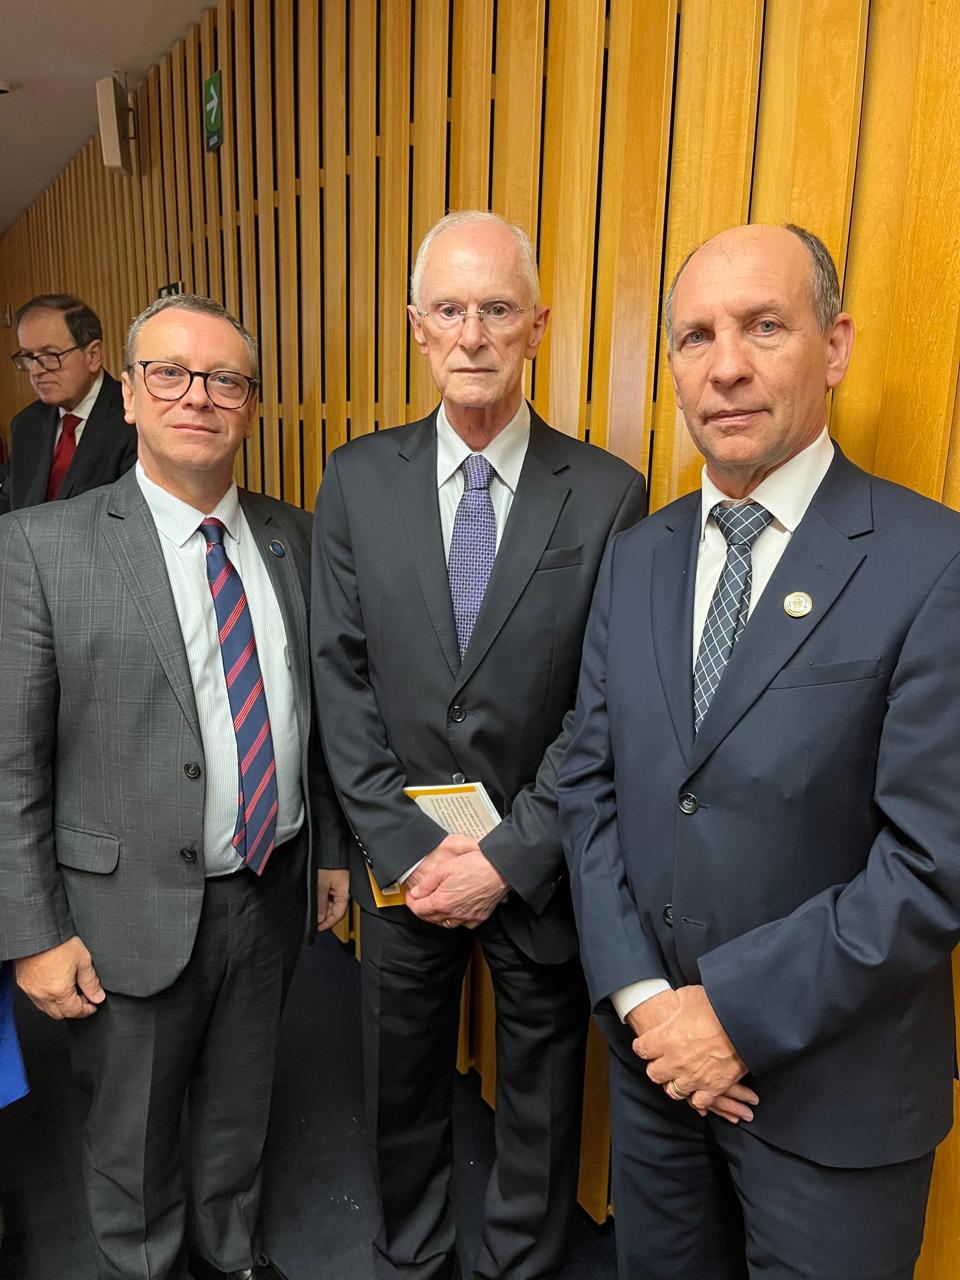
<point>465,808</point>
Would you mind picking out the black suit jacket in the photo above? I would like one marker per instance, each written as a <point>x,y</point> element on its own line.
<point>799,856</point>
<point>398,707</point>
<point>106,449</point>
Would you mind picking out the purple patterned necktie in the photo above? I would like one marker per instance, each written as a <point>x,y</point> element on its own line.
<point>256,829</point>
<point>473,546</point>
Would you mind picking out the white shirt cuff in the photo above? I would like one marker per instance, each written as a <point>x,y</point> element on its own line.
<point>628,998</point>
<point>407,874</point>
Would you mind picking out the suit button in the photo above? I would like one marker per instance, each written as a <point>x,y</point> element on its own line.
<point>688,803</point>
<point>459,778</point>
<point>192,769</point>
<point>188,855</point>
<point>668,914</point>
<point>457,714</point>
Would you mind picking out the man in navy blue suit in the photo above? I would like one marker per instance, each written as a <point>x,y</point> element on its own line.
<point>760,811</point>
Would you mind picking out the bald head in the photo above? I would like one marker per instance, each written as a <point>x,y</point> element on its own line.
<point>814,262</point>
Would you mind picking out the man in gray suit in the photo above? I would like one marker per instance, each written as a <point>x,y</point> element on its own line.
<point>162,796</point>
<point>429,674</point>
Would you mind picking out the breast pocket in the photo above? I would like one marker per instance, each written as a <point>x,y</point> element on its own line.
<point>561,557</point>
<point>810,673</point>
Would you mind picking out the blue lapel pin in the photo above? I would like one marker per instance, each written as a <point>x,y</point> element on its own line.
<point>278,549</point>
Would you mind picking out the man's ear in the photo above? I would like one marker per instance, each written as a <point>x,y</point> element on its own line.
<point>126,386</point>
<point>419,337</point>
<point>94,356</point>
<point>540,317</point>
<point>839,347</point>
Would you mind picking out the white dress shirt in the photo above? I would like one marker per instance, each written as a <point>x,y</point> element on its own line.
<point>184,550</point>
<point>505,453</point>
<point>786,493</point>
<point>82,411</point>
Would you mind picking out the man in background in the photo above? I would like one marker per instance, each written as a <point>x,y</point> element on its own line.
<point>761,814</point>
<point>163,800</point>
<point>454,560</point>
<point>74,436</point>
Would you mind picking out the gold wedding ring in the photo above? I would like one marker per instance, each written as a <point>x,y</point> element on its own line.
<point>448,924</point>
<point>675,1091</point>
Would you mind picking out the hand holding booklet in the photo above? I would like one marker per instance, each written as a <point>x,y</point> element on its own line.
<point>463,808</point>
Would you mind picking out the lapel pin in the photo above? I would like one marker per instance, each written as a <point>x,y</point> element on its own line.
<point>797,604</point>
<point>279,550</point>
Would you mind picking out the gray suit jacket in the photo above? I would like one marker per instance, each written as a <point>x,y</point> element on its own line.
<point>399,707</point>
<point>101,765</point>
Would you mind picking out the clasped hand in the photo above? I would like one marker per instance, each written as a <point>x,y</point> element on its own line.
<point>455,884</point>
<point>684,1044</point>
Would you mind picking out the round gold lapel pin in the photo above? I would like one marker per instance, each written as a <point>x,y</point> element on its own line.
<point>797,604</point>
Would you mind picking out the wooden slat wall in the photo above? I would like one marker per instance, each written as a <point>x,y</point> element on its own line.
<point>619,133</point>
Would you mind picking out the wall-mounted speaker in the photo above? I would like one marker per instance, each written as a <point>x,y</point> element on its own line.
<point>114,115</point>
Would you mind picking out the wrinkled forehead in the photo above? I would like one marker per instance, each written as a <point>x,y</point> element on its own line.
<point>473,264</point>
<point>742,270</point>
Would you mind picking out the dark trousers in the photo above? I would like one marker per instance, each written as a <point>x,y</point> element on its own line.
<point>209,1039</point>
<point>701,1199</point>
<point>411,979</point>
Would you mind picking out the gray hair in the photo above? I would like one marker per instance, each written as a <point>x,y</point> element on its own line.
<point>201,306</point>
<point>826,286</point>
<point>475,217</point>
<point>83,323</point>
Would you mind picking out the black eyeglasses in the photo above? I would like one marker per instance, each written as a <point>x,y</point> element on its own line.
<point>226,388</point>
<point>49,361</point>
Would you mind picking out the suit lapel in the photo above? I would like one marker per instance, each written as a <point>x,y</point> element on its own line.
<point>84,460</point>
<point>541,493</point>
<point>672,585</point>
<point>420,512</point>
<point>132,538</point>
<point>41,449</point>
<point>820,559</point>
<point>266,529</point>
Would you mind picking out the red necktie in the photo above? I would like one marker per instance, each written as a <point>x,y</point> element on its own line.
<point>63,453</point>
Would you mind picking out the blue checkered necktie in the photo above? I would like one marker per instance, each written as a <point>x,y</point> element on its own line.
<point>473,546</point>
<point>727,615</point>
<point>257,803</point>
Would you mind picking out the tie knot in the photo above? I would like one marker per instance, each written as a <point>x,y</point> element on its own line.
<point>69,423</point>
<point>213,531</point>
<point>743,524</point>
<point>477,471</point>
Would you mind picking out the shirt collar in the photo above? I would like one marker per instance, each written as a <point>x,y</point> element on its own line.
<point>177,520</point>
<point>85,407</point>
<point>786,493</point>
<point>505,452</point>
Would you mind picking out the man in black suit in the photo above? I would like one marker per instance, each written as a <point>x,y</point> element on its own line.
<point>74,436</point>
<point>759,805</point>
<point>427,674</point>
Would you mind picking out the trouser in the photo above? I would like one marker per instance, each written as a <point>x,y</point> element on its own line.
<point>701,1199</point>
<point>411,980</point>
<point>209,1039</point>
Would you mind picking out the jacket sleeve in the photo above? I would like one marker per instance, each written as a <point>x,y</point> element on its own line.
<point>33,908</point>
<point>793,983</point>
<point>525,847</point>
<point>392,831</point>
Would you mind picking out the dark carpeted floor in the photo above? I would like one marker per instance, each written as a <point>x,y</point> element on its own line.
<point>320,1211</point>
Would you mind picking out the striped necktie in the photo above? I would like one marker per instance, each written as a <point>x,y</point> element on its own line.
<point>256,829</point>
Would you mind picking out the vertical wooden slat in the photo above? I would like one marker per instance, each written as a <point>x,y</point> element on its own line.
<point>266,243</point>
<point>394,207</point>
<point>518,97</point>
<point>215,215</point>
<point>429,141</point>
<point>568,209</point>
<point>470,104</point>
<point>251,466</point>
<point>195,148</point>
<point>718,68</point>
<point>180,173</point>
<point>168,171</point>
<point>226,158</point>
<point>334,226</point>
<point>636,145</point>
<point>311,254</point>
<point>287,349</point>
<point>363,215</point>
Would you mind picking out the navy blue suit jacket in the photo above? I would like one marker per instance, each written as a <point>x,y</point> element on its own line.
<point>813,881</point>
